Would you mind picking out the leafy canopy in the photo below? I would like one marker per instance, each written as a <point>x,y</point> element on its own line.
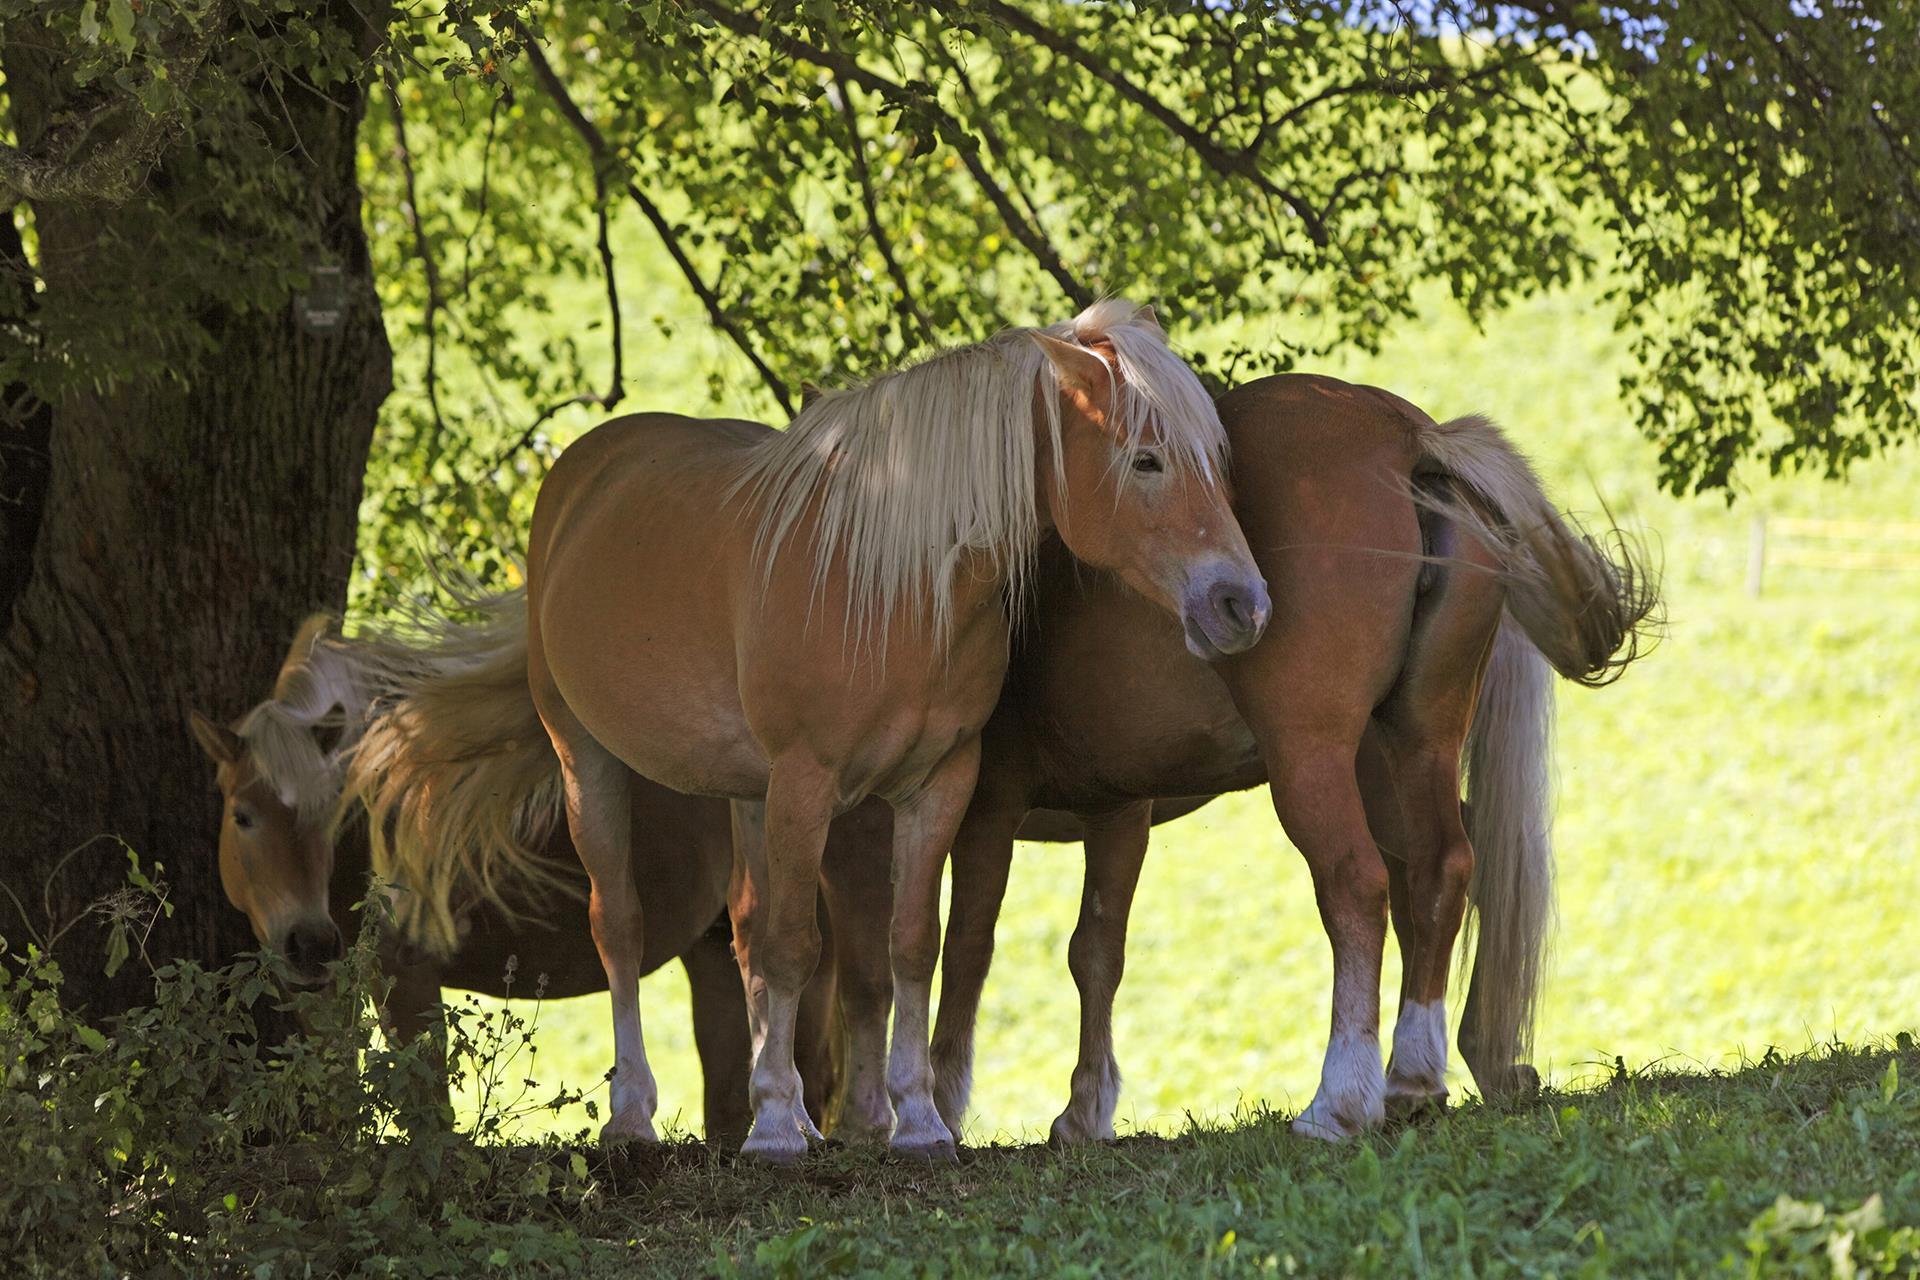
<point>846,184</point>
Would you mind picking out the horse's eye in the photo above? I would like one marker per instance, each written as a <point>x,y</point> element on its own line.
<point>243,820</point>
<point>1146,462</point>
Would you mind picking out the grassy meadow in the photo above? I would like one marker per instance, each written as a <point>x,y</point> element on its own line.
<point>1737,829</point>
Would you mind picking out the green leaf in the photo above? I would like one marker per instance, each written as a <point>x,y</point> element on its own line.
<point>91,1037</point>
<point>117,950</point>
<point>120,17</point>
<point>90,21</point>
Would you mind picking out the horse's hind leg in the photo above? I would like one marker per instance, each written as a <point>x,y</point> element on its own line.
<point>1413,1079</point>
<point>1421,728</point>
<point>598,785</point>
<point>1436,861</point>
<point>785,951</point>
<point>1116,845</point>
<point>857,881</point>
<point>720,1033</point>
<point>816,1029</point>
<point>1318,802</point>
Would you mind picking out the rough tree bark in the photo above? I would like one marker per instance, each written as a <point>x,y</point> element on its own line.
<point>162,557</point>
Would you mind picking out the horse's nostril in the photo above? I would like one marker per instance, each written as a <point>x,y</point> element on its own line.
<point>1233,606</point>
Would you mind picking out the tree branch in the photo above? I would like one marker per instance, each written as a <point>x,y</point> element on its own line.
<point>431,316</point>
<point>1230,163</point>
<point>605,164</point>
<point>55,170</point>
<point>1435,78</point>
<point>996,148</point>
<point>848,69</point>
<point>907,307</point>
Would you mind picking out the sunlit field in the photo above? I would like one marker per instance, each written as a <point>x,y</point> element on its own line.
<point>1737,825</point>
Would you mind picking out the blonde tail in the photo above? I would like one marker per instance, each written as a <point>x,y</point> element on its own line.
<point>1587,603</point>
<point>456,774</point>
<point>1511,892</point>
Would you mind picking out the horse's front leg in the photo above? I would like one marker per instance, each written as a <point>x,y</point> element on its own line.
<point>1116,845</point>
<point>784,950</point>
<point>923,832</point>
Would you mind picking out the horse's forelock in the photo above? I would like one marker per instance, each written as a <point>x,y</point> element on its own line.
<point>1159,393</point>
<point>284,747</point>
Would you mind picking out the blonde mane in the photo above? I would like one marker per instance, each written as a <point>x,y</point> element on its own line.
<point>457,777</point>
<point>910,472</point>
<point>320,686</point>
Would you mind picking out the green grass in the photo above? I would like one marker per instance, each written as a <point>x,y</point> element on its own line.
<point>1653,1173</point>
<point>1736,826</point>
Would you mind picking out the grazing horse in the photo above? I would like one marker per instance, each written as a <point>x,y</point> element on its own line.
<point>417,720</point>
<point>1392,544</point>
<point>811,617</point>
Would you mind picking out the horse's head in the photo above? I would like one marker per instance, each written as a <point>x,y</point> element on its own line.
<point>1140,486</point>
<point>276,855</point>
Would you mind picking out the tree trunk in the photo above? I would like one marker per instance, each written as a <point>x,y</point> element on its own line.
<point>177,537</point>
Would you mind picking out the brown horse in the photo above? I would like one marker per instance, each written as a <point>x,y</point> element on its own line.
<point>1392,544</point>
<point>815,616</point>
<point>296,874</point>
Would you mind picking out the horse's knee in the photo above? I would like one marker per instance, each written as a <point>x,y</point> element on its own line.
<point>617,924</point>
<point>787,961</point>
<point>1092,958</point>
<point>1455,871</point>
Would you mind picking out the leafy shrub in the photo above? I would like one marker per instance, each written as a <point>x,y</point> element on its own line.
<point>173,1142</point>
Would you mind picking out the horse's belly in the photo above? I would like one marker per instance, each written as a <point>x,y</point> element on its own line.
<point>1155,761</point>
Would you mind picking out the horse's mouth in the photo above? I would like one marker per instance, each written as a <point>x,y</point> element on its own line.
<point>1199,643</point>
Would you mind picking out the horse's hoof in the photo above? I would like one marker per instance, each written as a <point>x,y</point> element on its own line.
<point>628,1129</point>
<point>1404,1107</point>
<point>787,1149</point>
<point>1071,1131</point>
<point>1334,1123</point>
<point>925,1150</point>
<point>858,1135</point>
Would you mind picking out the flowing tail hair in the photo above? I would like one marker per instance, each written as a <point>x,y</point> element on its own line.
<point>1584,606</point>
<point>458,779</point>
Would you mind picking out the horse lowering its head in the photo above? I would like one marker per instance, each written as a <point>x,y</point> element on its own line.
<point>279,786</point>
<point>1116,446</point>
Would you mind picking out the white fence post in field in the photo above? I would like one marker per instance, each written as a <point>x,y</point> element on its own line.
<point>1812,542</point>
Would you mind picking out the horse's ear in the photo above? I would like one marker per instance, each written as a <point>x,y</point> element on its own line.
<point>1145,316</point>
<point>222,745</point>
<point>1075,365</point>
<point>809,392</point>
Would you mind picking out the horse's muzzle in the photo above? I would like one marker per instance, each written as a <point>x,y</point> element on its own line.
<point>309,947</point>
<point>1225,614</point>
